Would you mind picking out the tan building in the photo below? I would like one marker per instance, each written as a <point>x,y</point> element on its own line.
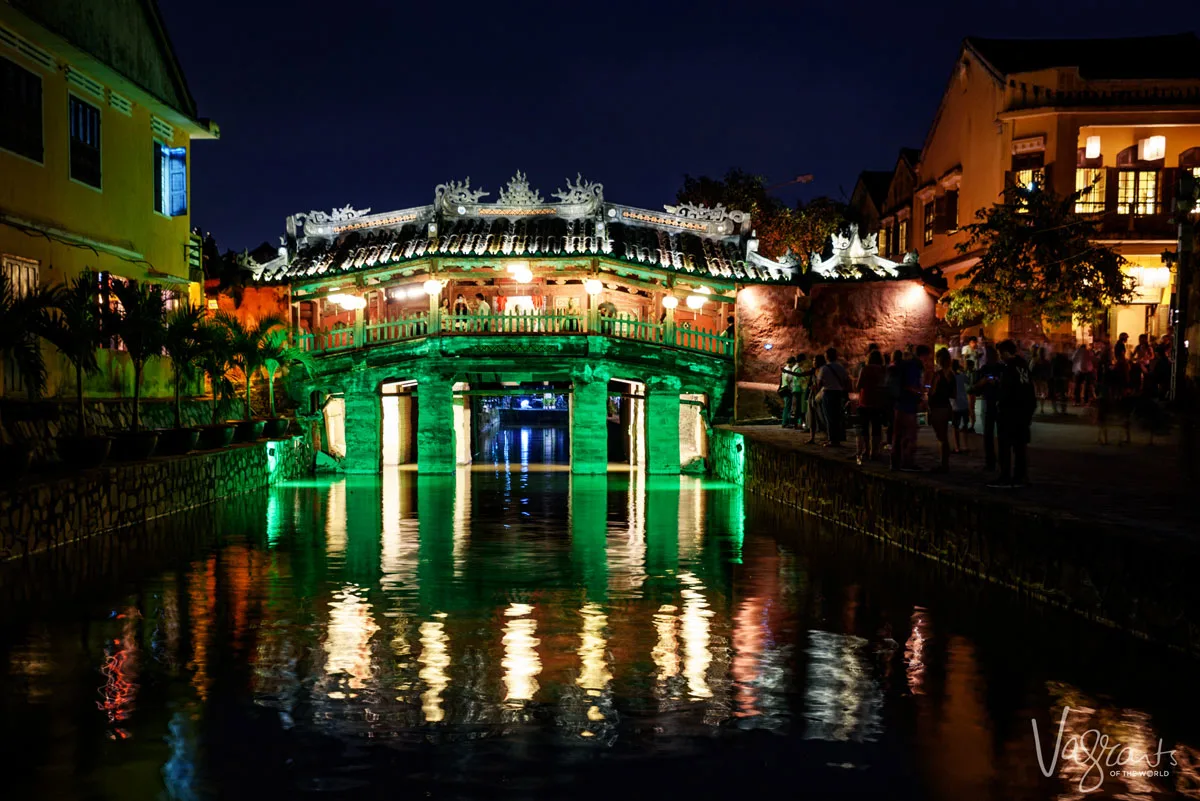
<point>96,132</point>
<point>1122,114</point>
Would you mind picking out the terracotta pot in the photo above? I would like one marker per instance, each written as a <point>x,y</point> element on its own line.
<point>216,436</point>
<point>176,441</point>
<point>249,430</point>
<point>277,427</point>
<point>131,446</point>
<point>14,462</point>
<point>82,453</point>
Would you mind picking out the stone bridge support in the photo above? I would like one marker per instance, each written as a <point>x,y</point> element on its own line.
<point>589,421</point>
<point>437,451</point>
<point>364,437</point>
<point>662,426</point>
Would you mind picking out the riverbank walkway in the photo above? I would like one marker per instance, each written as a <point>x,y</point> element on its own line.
<point>1142,485</point>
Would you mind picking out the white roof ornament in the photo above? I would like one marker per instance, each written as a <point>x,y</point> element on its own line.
<point>580,192</point>
<point>348,213</point>
<point>854,256</point>
<point>518,192</point>
<point>699,211</point>
<point>452,194</point>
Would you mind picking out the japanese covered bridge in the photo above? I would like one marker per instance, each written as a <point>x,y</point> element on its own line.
<point>620,318</point>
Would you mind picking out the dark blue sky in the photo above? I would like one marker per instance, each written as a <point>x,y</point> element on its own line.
<point>374,102</point>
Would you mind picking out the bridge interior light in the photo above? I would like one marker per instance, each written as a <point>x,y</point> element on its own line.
<point>670,302</point>
<point>348,302</point>
<point>524,275</point>
<point>593,286</point>
<point>416,291</point>
<point>432,287</point>
<point>695,302</point>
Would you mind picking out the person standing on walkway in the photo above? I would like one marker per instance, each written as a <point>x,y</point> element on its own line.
<point>942,392</point>
<point>799,383</point>
<point>813,394</point>
<point>987,387</point>
<point>834,384</point>
<point>961,405</point>
<point>912,389</point>
<point>872,401</point>
<point>785,390</point>
<point>1083,365</point>
<point>1015,407</point>
<point>893,381</point>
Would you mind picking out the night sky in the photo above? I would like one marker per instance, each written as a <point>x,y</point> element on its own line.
<point>374,103</point>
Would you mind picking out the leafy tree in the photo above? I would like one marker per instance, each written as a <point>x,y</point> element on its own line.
<point>1038,253</point>
<point>802,230</point>
<point>248,343</point>
<point>185,342</point>
<point>79,330</point>
<point>278,352</point>
<point>216,353</point>
<point>24,319</point>
<point>140,321</point>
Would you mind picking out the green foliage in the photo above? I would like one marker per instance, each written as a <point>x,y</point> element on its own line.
<point>78,330</point>
<point>216,354</point>
<point>277,352</point>
<point>184,342</point>
<point>248,345</point>
<point>24,320</point>
<point>139,319</point>
<point>1036,252</point>
<point>801,230</point>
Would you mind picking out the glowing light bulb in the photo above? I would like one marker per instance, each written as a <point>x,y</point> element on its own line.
<point>695,302</point>
<point>433,287</point>
<point>593,286</point>
<point>670,302</point>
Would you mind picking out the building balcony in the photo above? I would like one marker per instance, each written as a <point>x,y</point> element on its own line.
<point>1156,225</point>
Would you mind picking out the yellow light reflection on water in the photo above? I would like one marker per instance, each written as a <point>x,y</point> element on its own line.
<point>434,659</point>
<point>695,622</point>
<point>335,520</point>
<point>594,675</point>
<point>521,662</point>
<point>666,649</point>
<point>348,639</point>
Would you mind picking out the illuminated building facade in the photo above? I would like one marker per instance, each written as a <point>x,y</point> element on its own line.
<point>96,129</point>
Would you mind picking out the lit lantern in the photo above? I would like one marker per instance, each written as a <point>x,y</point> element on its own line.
<point>695,302</point>
<point>348,302</point>
<point>433,287</point>
<point>523,275</point>
<point>670,302</point>
<point>593,286</point>
<point>1092,149</point>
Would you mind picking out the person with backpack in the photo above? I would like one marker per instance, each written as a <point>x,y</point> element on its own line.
<point>833,381</point>
<point>1015,405</point>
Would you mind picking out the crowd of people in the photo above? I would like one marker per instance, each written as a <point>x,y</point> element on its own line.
<point>976,388</point>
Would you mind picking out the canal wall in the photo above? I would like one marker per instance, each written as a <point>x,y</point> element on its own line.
<point>43,514</point>
<point>1140,581</point>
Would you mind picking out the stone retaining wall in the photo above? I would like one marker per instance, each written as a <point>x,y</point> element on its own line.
<point>42,514</point>
<point>1138,581</point>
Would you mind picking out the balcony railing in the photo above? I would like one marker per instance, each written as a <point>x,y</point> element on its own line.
<point>418,325</point>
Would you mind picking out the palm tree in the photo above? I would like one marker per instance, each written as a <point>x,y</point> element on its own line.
<point>140,322</point>
<point>278,352</point>
<point>248,341</point>
<point>216,352</point>
<point>184,341</point>
<point>79,331</point>
<point>24,320</point>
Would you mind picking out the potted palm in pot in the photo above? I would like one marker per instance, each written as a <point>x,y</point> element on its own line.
<point>140,321</point>
<point>247,341</point>
<point>278,352</point>
<point>183,341</point>
<point>213,361</point>
<point>77,333</point>
<point>24,319</point>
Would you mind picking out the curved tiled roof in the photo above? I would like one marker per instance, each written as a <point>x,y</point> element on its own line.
<point>546,236</point>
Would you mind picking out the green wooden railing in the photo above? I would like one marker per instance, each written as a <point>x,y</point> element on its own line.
<point>396,329</point>
<point>341,339</point>
<point>418,325</point>
<point>704,341</point>
<point>551,323</point>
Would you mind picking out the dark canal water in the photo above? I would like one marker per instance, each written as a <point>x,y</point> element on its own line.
<point>526,634</point>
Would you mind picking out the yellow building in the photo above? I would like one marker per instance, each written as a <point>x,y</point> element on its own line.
<point>96,126</point>
<point>1122,114</point>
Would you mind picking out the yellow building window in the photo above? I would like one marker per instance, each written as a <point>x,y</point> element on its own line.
<point>1091,182</point>
<point>1028,180</point>
<point>902,238</point>
<point>883,241</point>
<point>1137,192</point>
<point>930,216</point>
